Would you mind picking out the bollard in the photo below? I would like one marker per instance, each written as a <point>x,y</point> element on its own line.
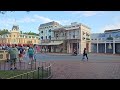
<point>38,72</point>
<point>4,65</point>
<point>0,65</point>
<point>35,64</point>
<point>42,72</point>
<point>33,75</point>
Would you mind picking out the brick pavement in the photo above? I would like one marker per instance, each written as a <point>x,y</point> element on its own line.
<point>86,70</point>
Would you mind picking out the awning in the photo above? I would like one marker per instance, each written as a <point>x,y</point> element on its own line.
<point>52,43</point>
<point>55,43</point>
<point>44,44</point>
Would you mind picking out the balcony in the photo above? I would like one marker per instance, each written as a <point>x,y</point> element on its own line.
<point>106,41</point>
<point>73,37</point>
<point>58,38</point>
<point>45,41</point>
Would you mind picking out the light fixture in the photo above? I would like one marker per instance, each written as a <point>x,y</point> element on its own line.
<point>109,46</point>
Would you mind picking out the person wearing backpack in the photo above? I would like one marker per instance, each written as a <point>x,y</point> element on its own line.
<point>31,53</point>
<point>85,54</point>
<point>21,52</point>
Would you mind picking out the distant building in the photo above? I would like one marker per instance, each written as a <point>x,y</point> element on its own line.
<point>15,37</point>
<point>45,32</point>
<point>107,42</point>
<point>74,36</point>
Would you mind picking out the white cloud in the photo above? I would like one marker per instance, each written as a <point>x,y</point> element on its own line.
<point>86,13</point>
<point>26,20</point>
<point>41,18</point>
<point>110,27</point>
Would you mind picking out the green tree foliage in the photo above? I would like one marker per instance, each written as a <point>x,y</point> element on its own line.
<point>110,38</point>
<point>4,31</point>
<point>31,33</point>
<point>4,12</point>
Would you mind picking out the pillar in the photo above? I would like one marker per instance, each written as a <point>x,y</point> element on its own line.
<point>79,48</point>
<point>97,47</point>
<point>113,47</point>
<point>105,47</point>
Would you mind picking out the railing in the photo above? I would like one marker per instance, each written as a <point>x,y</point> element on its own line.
<point>58,38</point>
<point>66,37</point>
<point>42,72</point>
<point>19,65</point>
<point>107,41</point>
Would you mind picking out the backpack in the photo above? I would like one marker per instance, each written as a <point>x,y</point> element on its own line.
<point>31,51</point>
<point>21,50</point>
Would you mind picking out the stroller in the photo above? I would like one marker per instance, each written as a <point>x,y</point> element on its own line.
<point>75,52</point>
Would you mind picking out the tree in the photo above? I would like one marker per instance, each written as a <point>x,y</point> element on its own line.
<point>4,12</point>
<point>4,31</point>
<point>20,32</point>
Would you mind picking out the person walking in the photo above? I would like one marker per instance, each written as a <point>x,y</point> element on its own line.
<point>85,54</point>
<point>31,53</point>
<point>21,52</point>
<point>13,51</point>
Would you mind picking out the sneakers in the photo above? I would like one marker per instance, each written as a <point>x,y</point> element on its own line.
<point>29,63</point>
<point>15,68</point>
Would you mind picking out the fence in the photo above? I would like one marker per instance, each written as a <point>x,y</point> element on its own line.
<point>22,65</point>
<point>42,70</point>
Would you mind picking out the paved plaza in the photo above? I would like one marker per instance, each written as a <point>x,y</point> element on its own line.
<point>66,66</point>
<point>99,66</point>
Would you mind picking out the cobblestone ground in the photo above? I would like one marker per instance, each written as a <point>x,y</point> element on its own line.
<point>86,70</point>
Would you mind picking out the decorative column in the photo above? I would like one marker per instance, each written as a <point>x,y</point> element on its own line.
<point>79,48</point>
<point>105,47</point>
<point>113,46</point>
<point>69,47</point>
<point>97,45</point>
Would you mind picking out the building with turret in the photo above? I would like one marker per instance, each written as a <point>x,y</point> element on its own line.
<point>16,37</point>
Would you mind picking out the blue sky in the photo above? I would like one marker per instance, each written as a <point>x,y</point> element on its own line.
<point>98,21</point>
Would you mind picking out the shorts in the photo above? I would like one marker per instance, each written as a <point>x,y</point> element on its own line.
<point>20,55</point>
<point>13,61</point>
<point>30,55</point>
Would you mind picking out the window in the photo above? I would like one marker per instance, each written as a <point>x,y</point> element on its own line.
<point>83,33</point>
<point>65,33</point>
<point>46,37</point>
<point>25,36</point>
<point>9,35</point>
<point>50,37</point>
<point>41,31</point>
<point>42,37</point>
<point>14,35</point>
<point>14,40</point>
<point>20,35</point>
<point>33,36</point>
<point>92,39</point>
<point>73,36</point>
<point>83,38</point>
<point>29,36</point>
<point>56,35</point>
<point>50,30</point>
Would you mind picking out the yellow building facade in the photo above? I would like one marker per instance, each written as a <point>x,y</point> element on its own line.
<point>15,37</point>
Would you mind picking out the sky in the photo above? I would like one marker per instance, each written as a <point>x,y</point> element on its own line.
<point>98,21</point>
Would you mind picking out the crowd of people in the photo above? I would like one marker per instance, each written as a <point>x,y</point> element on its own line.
<point>17,53</point>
